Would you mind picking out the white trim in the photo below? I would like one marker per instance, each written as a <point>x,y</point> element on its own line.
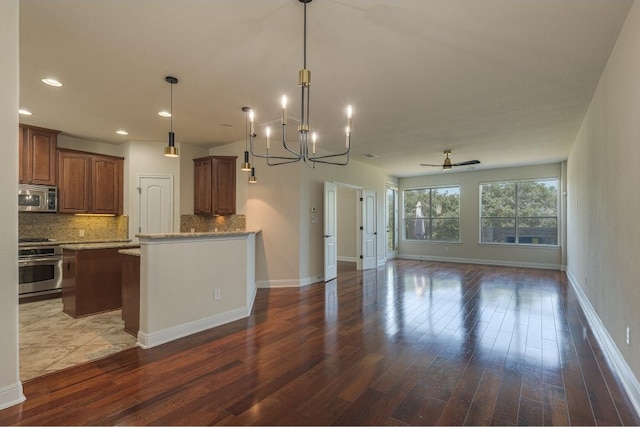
<point>483,261</point>
<point>347,258</point>
<point>180,331</point>
<point>610,350</point>
<point>11,395</point>
<point>289,283</point>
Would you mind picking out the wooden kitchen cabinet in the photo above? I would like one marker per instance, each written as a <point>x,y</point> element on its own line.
<point>131,293</point>
<point>215,185</point>
<point>91,281</point>
<point>90,183</point>
<point>37,158</point>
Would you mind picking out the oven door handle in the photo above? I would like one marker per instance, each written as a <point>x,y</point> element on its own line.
<point>38,260</point>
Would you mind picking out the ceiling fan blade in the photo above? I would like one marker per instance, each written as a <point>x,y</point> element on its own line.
<point>426,164</point>
<point>468,162</point>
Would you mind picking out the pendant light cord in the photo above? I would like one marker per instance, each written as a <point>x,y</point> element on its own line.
<point>304,47</point>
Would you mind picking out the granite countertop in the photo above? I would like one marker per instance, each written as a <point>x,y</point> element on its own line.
<point>200,234</point>
<point>132,252</point>
<point>54,242</point>
<point>101,245</point>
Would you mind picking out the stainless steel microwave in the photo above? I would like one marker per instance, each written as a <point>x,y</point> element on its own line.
<point>37,198</point>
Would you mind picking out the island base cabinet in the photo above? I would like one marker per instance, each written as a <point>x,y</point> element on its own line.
<point>91,281</point>
<point>131,293</point>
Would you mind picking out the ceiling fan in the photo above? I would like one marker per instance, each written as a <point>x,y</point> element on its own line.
<point>447,162</point>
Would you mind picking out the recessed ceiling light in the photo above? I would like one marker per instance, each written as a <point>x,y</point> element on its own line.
<point>226,125</point>
<point>52,82</point>
<point>164,114</point>
<point>122,132</point>
<point>369,155</point>
<point>24,112</point>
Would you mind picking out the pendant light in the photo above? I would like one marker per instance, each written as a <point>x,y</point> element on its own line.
<point>171,150</point>
<point>246,165</point>
<point>249,134</point>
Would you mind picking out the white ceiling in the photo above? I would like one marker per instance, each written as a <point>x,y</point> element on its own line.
<point>506,82</point>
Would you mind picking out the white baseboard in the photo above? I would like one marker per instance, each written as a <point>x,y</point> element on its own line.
<point>11,395</point>
<point>348,258</point>
<point>289,283</point>
<point>482,261</point>
<point>170,334</point>
<point>611,351</point>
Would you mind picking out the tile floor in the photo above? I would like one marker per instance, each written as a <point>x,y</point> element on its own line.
<point>50,340</point>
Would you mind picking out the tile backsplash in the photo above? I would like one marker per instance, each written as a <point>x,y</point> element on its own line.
<point>67,227</point>
<point>201,224</point>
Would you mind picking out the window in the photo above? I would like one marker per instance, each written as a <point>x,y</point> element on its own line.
<point>523,212</point>
<point>432,214</point>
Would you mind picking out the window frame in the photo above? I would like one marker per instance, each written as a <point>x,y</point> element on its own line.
<point>431,218</point>
<point>516,218</point>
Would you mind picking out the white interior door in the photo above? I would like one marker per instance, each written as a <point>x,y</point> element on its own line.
<point>368,244</point>
<point>330,231</point>
<point>156,204</point>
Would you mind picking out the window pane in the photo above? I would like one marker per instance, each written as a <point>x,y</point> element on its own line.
<point>495,230</point>
<point>424,205</point>
<point>498,199</point>
<point>538,231</point>
<point>445,230</point>
<point>416,202</point>
<point>445,202</point>
<point>537,198</point>
<point>416,228</point>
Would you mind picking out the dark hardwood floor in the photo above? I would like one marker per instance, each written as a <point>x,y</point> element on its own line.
<point>411,343</point>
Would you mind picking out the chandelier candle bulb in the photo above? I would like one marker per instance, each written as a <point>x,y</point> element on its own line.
<point>284,109</point>
<point>314,136</point>
<point>268,132</point>
<point>251,118</point>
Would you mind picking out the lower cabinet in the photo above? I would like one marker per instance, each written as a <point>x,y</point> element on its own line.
<point>91,281</point>
<point>131,293</point>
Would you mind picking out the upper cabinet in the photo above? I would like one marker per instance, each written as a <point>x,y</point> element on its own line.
<point>215,185</point>
<point>37,160</point>
<point>90,183</point>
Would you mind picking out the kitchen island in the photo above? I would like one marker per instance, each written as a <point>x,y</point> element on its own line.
<point>190,282</point>
<point>91,277</point>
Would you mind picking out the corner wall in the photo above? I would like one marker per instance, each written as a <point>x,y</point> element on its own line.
<point>603,202</point>
<point>10,385</point>
<point>289,251</point>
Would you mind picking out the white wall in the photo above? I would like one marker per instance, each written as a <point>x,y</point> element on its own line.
<point>147,158</point>
<point>10,386</point>
<point>603,198</point>
<point>470,250</point>
<point>273,206</point>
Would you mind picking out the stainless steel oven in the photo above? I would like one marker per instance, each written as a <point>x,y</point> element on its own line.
<point>40,270</point>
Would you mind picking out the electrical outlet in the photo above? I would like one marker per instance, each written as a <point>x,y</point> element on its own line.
<point>81,233</point>
<point>628,337</point>
<point>217,294</point>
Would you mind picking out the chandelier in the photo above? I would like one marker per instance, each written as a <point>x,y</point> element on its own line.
<point>306,150</point>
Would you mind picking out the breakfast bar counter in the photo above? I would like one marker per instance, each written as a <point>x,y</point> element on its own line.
<point>190,282</point>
